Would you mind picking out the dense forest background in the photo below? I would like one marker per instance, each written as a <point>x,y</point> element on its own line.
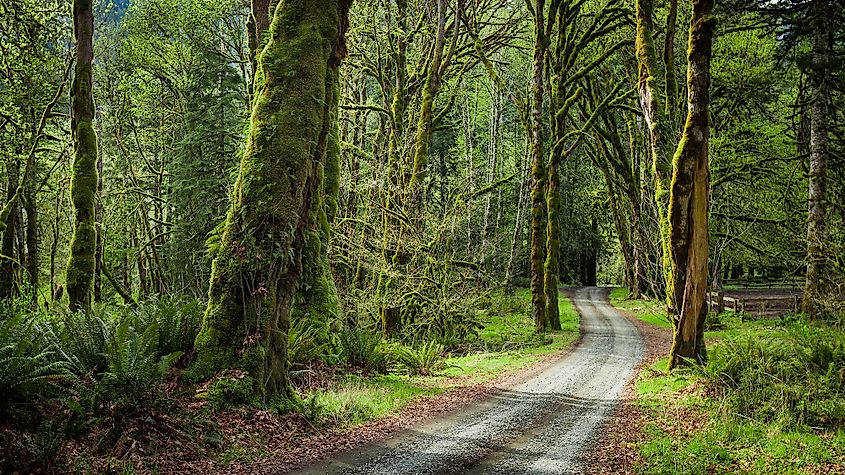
<point>464,148</point>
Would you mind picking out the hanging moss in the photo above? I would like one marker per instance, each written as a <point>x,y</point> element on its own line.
<point>270,222</point>
<point>83,187</point>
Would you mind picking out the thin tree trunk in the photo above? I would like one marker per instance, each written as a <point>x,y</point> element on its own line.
<point>814,288</point>
<point>83,189</point>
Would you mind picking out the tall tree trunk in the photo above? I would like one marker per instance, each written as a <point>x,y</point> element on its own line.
<point>98,219</point>
<point>552,263</point>
<point>538,173</point>
<point>689,201</point>
<point>9,226</point>
<point>814,288</point>
<point>258,265</point>
<point>83,188</point>
<point>32,241</point>
<point>425,121</point>
<point>654,112</point>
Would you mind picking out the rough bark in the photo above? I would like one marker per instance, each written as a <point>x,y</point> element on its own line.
<point>552,264</point>
<point>814,287</point>
<point>8,264</point>
<point>651,85</point>
<point>425,120</point>
<point>258,265</point>
<point>83,189</point>
<point>689,198</point>
<point>538,173</point>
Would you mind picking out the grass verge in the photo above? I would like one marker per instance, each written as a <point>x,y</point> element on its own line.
<point>770,400</point>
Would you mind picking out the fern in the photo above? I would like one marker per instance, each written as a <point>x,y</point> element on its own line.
<point>425,360</point>
<point>135,371</point>
<point>360,348</point>
<point>306,342</point>
<point>28,369</point>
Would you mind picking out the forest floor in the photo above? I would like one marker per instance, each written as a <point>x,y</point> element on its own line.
<point>542,424</point>
<point>673,423</point>
<point>343,411</point>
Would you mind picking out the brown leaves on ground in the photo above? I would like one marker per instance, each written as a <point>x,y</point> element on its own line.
<point>260,442</point>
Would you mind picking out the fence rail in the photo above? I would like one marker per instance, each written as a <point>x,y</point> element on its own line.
<point>759,305</point>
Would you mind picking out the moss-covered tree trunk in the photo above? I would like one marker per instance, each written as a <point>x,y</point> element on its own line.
<point>538,173</point>
<point>651,85</point>
<point>814,288</point>
<point>258,265</point>
<point>552,264</point>
<point>689,197</point>
<point>9,228</point>
<point>83,187</point>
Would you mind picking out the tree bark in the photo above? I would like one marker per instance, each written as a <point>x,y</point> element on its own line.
<point>83,189</point>
<point>538,173</point>
<point>651,85</point>
<point>259,263</point>
<point>689,198</point>
<point>814,288</point>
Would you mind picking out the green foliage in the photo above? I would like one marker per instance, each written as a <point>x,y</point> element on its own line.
<point>424,360</point>
<point>356,400</point>
<point>135,369</point>
<point>361,348</point>
<point>177,321</point>
<point>29,369</point>
<point>793,377</point>
<point>230,388</point>
<point>307,342</point>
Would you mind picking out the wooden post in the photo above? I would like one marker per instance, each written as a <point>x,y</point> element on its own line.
<point>795,304</point>
<point>720,302</point>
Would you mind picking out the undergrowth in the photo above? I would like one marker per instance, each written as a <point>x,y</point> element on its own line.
<point>770,399</point>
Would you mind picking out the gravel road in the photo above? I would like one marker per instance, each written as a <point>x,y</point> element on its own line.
<point>544,425</point>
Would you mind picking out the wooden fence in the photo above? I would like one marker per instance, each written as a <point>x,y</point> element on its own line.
<point>759,305</point>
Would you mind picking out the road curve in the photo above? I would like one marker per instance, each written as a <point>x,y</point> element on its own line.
<point>541,426</point>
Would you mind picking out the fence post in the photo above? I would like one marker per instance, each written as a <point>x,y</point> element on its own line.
<point>720,302</point>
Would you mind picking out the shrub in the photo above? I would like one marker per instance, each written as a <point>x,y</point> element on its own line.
<point>794,377</point>
<point>361,348</point>
<point>135,370</point>
<point>177,319</point>
<point>424,360</point>
<point>28,369</point>
<point>306,342</point>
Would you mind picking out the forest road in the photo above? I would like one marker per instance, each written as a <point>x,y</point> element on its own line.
<point>543,425</point>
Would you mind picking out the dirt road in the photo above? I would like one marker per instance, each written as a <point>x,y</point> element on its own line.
<point>544,425</point>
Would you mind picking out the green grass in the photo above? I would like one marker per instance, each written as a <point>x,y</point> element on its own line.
<point>649,311</point>
<point>355,399</point>
<point>721,441</point>
<point>505,343</point>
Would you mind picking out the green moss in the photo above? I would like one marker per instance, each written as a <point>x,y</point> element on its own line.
<point>229,390</point>
<point>551,266</point>
<point>83,188</point>
<point>258,263</point>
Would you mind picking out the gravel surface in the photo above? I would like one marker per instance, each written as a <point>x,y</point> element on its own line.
<point>544,425</point>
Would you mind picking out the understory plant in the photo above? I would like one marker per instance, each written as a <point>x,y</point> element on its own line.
<point>795,376</point>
